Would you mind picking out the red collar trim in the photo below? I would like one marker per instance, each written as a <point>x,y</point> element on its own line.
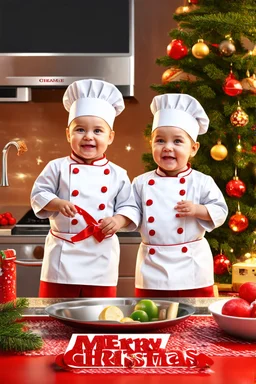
<point>80,160</point>
<point>184,173</point>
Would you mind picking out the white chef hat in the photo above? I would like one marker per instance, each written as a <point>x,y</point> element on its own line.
<point>92,97</point>
<point>179,110</point>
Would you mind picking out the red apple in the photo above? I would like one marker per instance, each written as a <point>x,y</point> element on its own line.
<point>236,307</point>
<point>247,291</point>
<point>253,309</point>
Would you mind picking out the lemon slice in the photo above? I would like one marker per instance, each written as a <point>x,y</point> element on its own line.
<point>111,313</point>
<point>126,320</point>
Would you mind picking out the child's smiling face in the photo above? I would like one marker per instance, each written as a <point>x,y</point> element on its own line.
<point>171,148</point>
<point>89,137</point>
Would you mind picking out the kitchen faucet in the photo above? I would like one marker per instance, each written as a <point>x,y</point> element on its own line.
<point>21,148</point>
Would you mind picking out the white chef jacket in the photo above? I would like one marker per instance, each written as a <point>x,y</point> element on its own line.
<point>102,189</point>
<point>173,254</point>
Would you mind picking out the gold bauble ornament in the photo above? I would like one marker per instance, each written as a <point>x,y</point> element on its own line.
<point>219,151</point>
<point>185,9</point>
<point>200,49</point>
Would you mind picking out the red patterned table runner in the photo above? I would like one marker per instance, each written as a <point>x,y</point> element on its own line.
<point>199,333</point>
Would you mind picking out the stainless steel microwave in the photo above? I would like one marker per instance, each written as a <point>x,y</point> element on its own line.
<point>51,43</point>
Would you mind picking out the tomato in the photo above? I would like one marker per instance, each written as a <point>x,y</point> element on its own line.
<point>149,306</point>
<point>11,220</point>
<point>7,215</point>
<point>140,316</point>
<point>236,307</point>
<point>4,221</point>
<point>247,291</point>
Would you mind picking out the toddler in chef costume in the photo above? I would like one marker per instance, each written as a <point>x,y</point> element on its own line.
<point>86,197</point>
<point>177,205</point>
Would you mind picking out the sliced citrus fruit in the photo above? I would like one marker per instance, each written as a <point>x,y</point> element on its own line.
<point>126,320</point>
<point>111,313</point>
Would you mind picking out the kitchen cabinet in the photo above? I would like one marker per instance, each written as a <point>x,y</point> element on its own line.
<point>29,254</point>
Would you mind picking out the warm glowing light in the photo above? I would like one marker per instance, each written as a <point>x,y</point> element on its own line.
<point>39,160</point>
<point>128,148</point>
<point>21,176</point>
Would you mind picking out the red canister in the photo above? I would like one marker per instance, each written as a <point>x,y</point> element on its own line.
<point>7,275</point>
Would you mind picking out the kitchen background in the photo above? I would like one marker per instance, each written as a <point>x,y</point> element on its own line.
<point>41,122</point>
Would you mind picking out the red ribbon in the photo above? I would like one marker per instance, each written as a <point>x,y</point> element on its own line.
<point>92,228</point>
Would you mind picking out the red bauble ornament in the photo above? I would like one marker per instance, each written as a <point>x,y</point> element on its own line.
<point>235,187</point>
<point>221,264</point>
<point>193,1</point>
<point>177,49</point>
<point>238,222</point>
<point>254,148</point>
<point>232,87</point>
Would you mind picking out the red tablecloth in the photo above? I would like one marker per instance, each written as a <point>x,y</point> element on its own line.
<point>199,333</point>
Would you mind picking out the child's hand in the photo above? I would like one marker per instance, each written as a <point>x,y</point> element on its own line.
<point>186,208</point>
<point>66,208</point>
<point>110,225</point>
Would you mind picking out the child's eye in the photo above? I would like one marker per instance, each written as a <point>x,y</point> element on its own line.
<point>79,129</point>
<point>97,130</point>
<point>159,141</point>
<point>177,141</point>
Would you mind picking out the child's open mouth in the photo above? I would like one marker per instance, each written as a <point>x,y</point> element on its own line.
<point>168,158</point>
<point>87,146</point>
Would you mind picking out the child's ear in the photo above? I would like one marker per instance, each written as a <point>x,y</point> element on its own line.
<point>68,135</point>
<point>194,149</point>
<point>111,137</point>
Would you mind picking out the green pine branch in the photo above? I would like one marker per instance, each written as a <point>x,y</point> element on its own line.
<point>13,333</point>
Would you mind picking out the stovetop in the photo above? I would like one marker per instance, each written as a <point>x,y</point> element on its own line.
<point>29,224</point>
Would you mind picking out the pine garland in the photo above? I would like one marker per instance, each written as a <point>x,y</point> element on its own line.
<point>13,334</point>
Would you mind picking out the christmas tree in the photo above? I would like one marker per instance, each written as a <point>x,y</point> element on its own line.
<point>212,57</point>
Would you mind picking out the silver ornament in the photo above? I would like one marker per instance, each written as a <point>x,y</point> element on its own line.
<point>227,48</point>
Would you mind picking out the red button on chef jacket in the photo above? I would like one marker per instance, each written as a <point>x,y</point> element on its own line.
<point>75,192</point>
<point>104,189</point>
<point>106,171</point>
<point>75,170</point>
<point>101,207</point>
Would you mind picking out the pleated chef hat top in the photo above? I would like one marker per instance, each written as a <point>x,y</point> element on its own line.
<point>181,111</point>
<point>92,97</point>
